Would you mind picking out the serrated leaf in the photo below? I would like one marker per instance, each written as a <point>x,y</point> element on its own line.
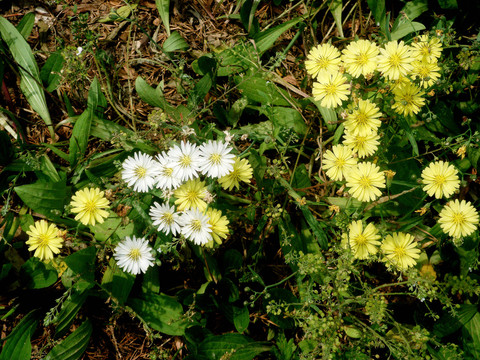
<point>28,69</point>
<point>405,29</point>
<point>163,7</point>
<point>265,39</point>
<point>17,345</point>
<point>175,42</point>
<point>73,347</point>
<point>51,71</point>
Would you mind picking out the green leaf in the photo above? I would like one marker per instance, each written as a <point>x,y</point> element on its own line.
<point>73,347</point>
<point>37,274</point>
<point>329,115</point>
<point>161,312</point>
<point>175,42</point>
<point>17,345</point>
<point>448,4</point>
<point>265,92</point>
<point>119,14</point>
<point>81,131</point>
<point>234,346</point>
<point>117,282</point>
<point>25,26</point>
<point>69,310</point>
<point>82,263</point>
<point>471,336</point>
<point>45,197</point>
<point>377,7</point>
<point>150,95</point>
<point>163,7</point>
<point>414,9</point>
<point>201,89</point>
<point>265,39</point>
<point>48,169</point>
<point>286,118</point>
<point>28,69</point>
<point>51,71</point>
<point>336,9</point>
<point>300,178</point>
<point>241,318</point>
<point>405,29</point>
<point>448,324</point>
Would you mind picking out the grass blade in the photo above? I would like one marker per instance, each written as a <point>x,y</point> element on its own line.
<point>163,8</point>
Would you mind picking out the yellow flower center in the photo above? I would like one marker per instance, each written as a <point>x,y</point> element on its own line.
<point>185,161</point>
<point>90,206</point>
<point>361,240</point>
<point>362,118</point>
<point>440,180</point>
<point>340,163</point>
<point>135,254</point>
<point>362,59</point>
<point>330,89</point>
<point>365,181</point>
<point>196,225</point>
<point>395,60</point>
<point>458,219</point>
<point>167,172</point>
<point>44,240</point>
<point>399,251</point>
<point>141,172</point>
<point>192,195</point>
<point>168,218</point>
<point>322,63</point>
<point>215,159</point>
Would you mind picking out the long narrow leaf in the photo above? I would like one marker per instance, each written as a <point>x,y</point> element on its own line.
<point>74,345</point>
<point>163,9</point>
<point>30,75</point>
<point>17,345</point>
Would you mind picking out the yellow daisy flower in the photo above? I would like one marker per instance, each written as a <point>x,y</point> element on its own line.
<point>338,161</point>
<point>400,250</point>
<point>362,145</point>
<point>322,59</point>
<point>364,181</point>
<point>89,205</point>
<point>440,179</point>
<point>408,99</point>
<point>219,226</point>
<point>44,239</point>
<point>360,58</point>
<point>363,241</point>
<point>191,195</point>
<point>362,118</point>
<point>458,219</point>
<point>427,49</point>
<point>331,90</point>
<point>426,72</point>
<point>395,60</point>
<point>242,171</point>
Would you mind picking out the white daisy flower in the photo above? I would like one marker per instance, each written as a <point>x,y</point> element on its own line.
<point>165,217</point>
<point>216,160</point>
<point>165,180</point>
<point>195,227</point>
<point>133,255</point>
<point>185,160</point>
<point>140,172</point>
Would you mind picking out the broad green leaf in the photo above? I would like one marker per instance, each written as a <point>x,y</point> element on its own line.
<point>161,312</point>
<point>68,311</point>
<point>315,226</point>
<point>25,26</point>
<point>241,318</point>
<point>234,346</point>
<point>265,39</point>
<point>119,14</point>
<point>175,42</point>
<point>288,118</point>
<point>96,105</point>
<point>48,169</point>
<point>471,336</point>
<point>37,274</point>
<point>28,69</point>
<point>17,345</point>
<point>112,225</point>
<point>405,29</point>
<point>448,4</point>
<point>262,91</point>
<point>117,282</point>
<point>152,96</point>
<point>336,9</point>
<point>51,71</point>
<point>163,7</point>
<point>200,90</point>
<point>300,178</point>
<point>377,7</point>
<point>73,347</point>
<point>448,324</point>
<point>414,9</point>
<point>82,263</point>
<point>45,197</point>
